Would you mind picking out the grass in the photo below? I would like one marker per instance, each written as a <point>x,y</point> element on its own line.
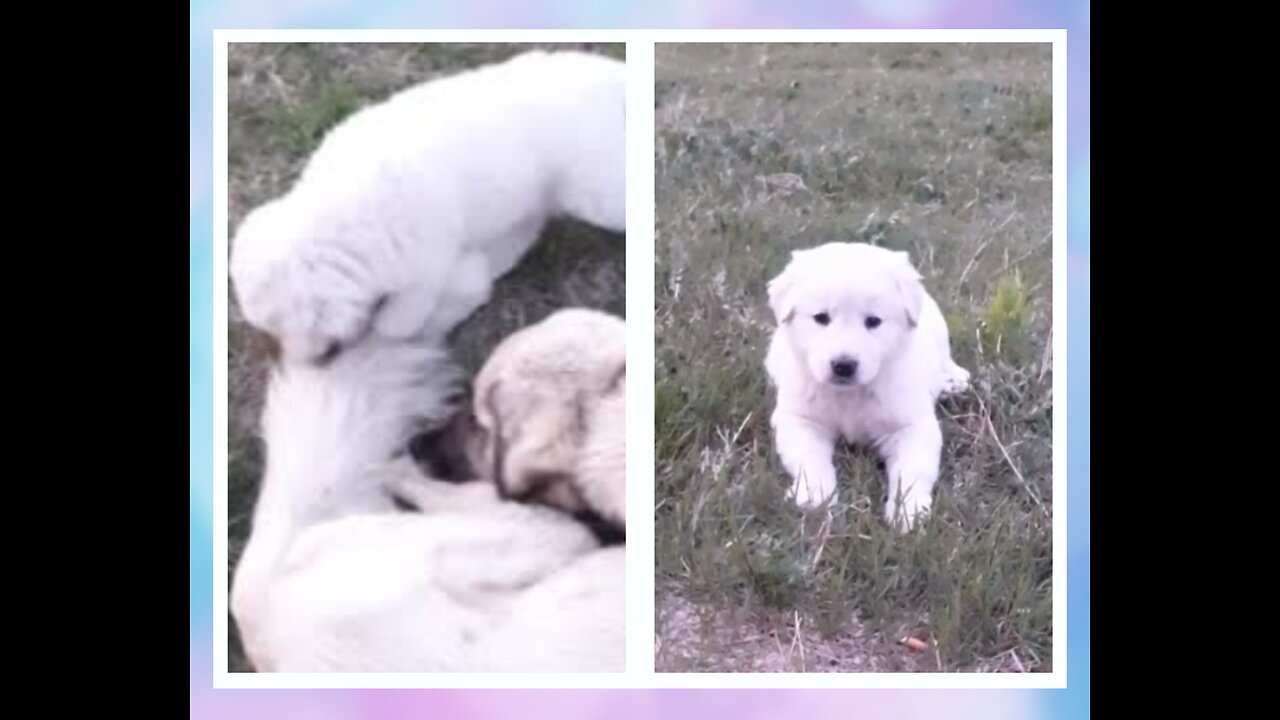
<point>282,98</point>
<point>940,150</point>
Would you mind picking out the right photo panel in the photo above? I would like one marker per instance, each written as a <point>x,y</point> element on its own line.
<point>854,403</point>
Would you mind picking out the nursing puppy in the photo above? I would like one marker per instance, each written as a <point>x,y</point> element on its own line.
<point>861,352</point>
<point>548,420</point>
<point>335,578</point>
<point>410,209</point>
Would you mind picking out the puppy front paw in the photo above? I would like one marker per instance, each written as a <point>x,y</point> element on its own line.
<point>810,493</point>
<point>907,514</point>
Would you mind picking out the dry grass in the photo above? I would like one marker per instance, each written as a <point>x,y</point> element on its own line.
<point>943,151</point>
<point>282,98</point>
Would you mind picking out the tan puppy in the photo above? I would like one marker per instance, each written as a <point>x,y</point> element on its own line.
<point>548,421</point>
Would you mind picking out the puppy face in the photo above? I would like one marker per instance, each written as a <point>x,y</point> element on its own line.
<point>313,301</point>
<point>846,309</point>
<point>528,440</point>
<point>532,406</point>
<point>533,396</point>
<point>319,327</point>
<point>508,440</point>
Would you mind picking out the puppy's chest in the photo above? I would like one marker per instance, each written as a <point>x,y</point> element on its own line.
<point>864,418</point>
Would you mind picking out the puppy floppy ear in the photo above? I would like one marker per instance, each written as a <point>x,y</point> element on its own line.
<point>532,447</point>
<point>910,289</point>
<point>779,289</point>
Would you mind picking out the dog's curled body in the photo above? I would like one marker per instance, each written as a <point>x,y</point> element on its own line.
<point>494,587</point>
<point>861,353</point>
<point>335,579</point>
<point>410,209</point>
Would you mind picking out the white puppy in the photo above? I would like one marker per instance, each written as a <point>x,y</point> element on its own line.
<point>334,578</point>
<point>410,209</point>
<point>548,420</point>
<point>862,353</point>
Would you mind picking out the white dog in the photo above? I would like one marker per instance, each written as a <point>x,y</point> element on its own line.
<point>410,209</point>
<point>862,353</point>
<point>334,578</point>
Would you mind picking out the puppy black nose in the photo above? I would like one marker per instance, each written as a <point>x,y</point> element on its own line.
<point>844,369</point>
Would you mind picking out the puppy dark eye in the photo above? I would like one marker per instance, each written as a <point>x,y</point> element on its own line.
<point>822,318</point>
<point>872,322</point>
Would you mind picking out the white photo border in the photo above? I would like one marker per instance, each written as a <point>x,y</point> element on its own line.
<point>640,357</point>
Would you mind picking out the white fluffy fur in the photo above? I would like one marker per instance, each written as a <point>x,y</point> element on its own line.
<point>602,458</point>
<point>411,208</point>
<point>903,365</point>
<point>334,579</point>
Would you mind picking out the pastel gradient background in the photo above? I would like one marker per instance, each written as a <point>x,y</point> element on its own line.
<point>622,705</point>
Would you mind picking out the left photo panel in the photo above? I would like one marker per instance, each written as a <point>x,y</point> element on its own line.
<point>426,357</point>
